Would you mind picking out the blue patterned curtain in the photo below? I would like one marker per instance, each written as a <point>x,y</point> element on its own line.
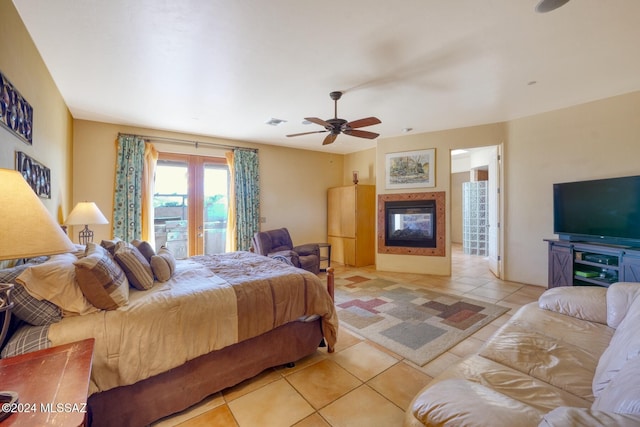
<point>247,196</point>
<point>127,206</point>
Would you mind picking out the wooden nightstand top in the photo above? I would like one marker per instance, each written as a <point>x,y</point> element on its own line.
<point>52,385</point>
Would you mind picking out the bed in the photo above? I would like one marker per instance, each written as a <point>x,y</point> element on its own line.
<point>215,322</point>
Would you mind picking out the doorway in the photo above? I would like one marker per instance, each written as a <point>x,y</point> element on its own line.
<point>190,204</point>
<point>476,205</point>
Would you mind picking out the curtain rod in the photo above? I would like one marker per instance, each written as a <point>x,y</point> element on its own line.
<point>188,142</point>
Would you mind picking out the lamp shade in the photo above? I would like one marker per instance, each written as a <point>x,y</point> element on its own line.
<point>86,213</point>
<point>27,228</point>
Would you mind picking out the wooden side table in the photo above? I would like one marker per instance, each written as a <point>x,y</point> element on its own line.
<point>52,385</point>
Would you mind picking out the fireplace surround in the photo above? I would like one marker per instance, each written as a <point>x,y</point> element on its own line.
<point>412,224</point>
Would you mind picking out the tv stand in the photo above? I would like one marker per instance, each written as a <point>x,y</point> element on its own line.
<point>581,263</point>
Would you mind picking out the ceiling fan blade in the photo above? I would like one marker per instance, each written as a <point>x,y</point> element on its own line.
<point>307,133</point>
<point>361,133</point>
<point>363,122</point>
<point>329,139</point>
<point>319,122</point>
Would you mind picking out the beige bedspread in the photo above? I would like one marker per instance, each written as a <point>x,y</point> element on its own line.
<point>210,302</point>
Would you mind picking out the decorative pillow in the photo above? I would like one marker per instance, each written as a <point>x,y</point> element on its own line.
<point>145,248</point>
<point>134,265</point>
<point>25,306</point>
<point>163,264</point>
<point>110,245</point>
<point>101,280</point>
<point>27,339</point>
<point>55,281</point>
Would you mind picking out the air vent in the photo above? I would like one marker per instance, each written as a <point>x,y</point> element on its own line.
<point>275,122</point>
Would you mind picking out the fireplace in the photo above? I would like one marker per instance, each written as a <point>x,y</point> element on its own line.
<point>412,223</point>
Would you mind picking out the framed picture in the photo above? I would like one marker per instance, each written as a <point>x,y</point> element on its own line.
<point>36,174</point>
<point>411,169</point>
<point>15,112</point>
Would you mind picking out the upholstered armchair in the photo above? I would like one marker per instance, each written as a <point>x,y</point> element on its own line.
<point>278,244</point>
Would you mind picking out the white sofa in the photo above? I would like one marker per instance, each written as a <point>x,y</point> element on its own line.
<point>571,359</point>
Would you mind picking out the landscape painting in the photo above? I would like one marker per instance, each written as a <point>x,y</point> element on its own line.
<point>411,169</point>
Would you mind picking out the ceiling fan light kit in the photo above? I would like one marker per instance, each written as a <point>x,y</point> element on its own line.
<point>336,126</point>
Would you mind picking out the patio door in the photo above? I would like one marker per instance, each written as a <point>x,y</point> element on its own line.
<point>190,204</point>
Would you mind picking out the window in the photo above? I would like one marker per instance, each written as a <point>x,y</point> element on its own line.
<point>190,204</point>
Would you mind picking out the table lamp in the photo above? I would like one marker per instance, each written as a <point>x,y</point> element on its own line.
<point>85,213</point>
<point>27,230</point>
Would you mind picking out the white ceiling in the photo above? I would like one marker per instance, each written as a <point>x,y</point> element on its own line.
<point>222,68</point>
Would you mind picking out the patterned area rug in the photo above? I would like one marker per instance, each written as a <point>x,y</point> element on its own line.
<point>411,321</point>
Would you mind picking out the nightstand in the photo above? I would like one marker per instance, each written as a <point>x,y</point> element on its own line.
<point>52,385</point>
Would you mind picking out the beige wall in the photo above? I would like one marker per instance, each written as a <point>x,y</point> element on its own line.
<point>293,183</point>
<point>21,63</point>
<point>365,163</point>
<point>443,142</point>
<point>595,140</point>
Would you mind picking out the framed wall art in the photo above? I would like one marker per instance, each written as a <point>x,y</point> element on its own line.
<point>411,169</point>
<point>36,174</point>
<point>15,112</point>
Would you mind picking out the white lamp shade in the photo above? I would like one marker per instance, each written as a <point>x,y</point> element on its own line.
<point>86,213</point>
<point>27,228</point>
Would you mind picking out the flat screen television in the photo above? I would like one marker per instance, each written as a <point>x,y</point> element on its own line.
<point>604,211</point>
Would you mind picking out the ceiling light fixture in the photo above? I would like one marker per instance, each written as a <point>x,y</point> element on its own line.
<point>406,130</point>
<point>275,122</point>
<point>545,6</point>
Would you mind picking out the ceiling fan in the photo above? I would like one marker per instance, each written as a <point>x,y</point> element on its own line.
<point>336,126</point>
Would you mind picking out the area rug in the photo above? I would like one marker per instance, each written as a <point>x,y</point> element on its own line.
<point>414,322</point>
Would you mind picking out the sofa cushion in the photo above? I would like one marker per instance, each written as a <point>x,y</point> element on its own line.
<point>557,349</point>
<point>620,296</point>
<point>463,403</point>
<point>512,383</point>
<point>625,344</point>
<point>568,416</point>
<point>622,395</point>
<point>586,303</point>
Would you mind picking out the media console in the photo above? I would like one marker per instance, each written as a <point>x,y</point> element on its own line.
<point>582,263</point>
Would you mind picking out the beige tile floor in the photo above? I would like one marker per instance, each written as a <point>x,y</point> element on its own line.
<point>361,384</point>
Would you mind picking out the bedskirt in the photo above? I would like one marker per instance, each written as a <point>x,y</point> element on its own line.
<point>170,392</point>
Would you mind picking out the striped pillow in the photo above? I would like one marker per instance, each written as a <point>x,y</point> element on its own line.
<point>26,339</point>
<point>163,264</point>
<point>134,265</point>
<point>25,306</point>
<point>101,280</point>
<point>145,248</point>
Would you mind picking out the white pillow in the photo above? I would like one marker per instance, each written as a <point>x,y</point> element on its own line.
<point>55,281</point>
